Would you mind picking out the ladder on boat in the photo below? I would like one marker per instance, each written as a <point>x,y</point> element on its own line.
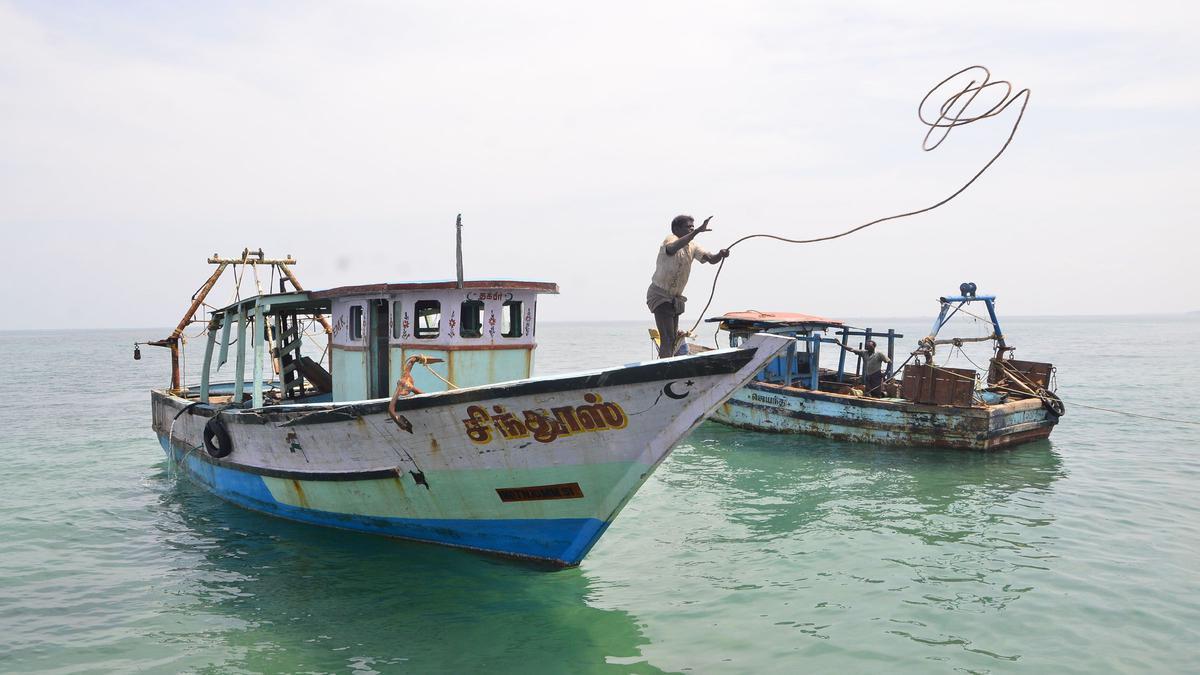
<point>287,354</point>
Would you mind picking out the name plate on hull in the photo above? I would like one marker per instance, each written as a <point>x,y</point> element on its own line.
<point>540,492</point>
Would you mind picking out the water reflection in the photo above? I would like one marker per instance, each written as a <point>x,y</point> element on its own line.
<point>288,597</point>
<point>776,484</point>
<point>885,551</point>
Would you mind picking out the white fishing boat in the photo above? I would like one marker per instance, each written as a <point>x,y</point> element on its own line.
<point>468,449</point>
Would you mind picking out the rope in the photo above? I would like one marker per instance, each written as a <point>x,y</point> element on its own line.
<point>173,466</point>
<point>1122,412</point>
<point>257,281</point>
<point>435,374</point>
<point>968,358</point>
<point>239,271</point>
<point>947,120</point>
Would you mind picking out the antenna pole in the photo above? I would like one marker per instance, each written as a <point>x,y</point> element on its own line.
<point>458,249</point>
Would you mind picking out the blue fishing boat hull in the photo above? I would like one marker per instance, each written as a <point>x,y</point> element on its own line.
<point>561,541</point>
<point>763,406</point>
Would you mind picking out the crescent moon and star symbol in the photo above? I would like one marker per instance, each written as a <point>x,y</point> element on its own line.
<point>669,392</point>
<point>672,394</point>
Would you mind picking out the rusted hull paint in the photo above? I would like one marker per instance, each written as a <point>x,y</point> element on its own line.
<point>574,448</point>
<point>775,408</point>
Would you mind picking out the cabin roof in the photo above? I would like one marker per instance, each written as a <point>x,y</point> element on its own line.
<point>753,317</point>
<point>441,284</point>
<point>292,301</point>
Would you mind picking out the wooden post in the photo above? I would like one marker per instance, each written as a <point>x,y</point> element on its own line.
<point>239,380</point>
<point>891,350</point>
<point>842,355</point>
<point>208,354</point>
<point>260,334</point>
<point>223,356</point>
<point>814,366</point>
<point>791,362</point>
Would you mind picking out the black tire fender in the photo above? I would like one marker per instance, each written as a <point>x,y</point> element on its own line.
<point>215,429</point>
<point>1051,402</point>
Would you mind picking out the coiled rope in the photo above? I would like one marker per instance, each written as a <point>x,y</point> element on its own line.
<point>953,112</point>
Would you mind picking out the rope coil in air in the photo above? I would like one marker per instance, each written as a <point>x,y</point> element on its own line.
<point>951,114</point>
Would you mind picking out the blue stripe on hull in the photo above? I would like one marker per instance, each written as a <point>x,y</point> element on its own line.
<point>563,541</point>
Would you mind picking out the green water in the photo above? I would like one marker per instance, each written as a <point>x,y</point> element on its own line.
<point>743,553</point>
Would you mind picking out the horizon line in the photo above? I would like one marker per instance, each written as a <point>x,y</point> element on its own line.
<point>651,320</point>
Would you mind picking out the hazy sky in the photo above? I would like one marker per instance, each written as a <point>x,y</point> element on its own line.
<point>138,138</point>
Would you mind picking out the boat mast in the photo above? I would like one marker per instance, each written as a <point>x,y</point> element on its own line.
<point>248,258</point>
<point>458,248</point>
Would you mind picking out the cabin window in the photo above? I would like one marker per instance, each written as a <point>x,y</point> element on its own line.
<point>510,319</point>
<point>428,315</point>
<point>397,320</point>
<point>472,319</point>
<point>356,322</point>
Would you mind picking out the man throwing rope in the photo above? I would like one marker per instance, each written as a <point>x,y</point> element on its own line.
<point>672,268</point>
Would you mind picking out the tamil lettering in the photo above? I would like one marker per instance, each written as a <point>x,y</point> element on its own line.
<point>544,425</point>
<point>778,401</point>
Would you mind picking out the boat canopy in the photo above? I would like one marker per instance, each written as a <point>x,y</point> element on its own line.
<point>460,335</point>
<point>799,364</point>
<point>752,319</point>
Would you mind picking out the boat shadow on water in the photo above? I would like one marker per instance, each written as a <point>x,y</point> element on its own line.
<point>284,596</point>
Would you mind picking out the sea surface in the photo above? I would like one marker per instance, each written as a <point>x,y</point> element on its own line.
<point>743,553</point>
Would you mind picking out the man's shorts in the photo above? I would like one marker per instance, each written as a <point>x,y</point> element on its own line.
<point>656,297</point>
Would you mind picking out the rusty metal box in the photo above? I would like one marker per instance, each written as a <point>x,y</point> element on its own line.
<point>938,386</point>
<point>1037,372</point>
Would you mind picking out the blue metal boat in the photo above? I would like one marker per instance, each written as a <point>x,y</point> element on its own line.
<point>921,404</point>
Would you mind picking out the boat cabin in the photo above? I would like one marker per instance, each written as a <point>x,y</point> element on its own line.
<point>463,335</point>
<point>799,365</point>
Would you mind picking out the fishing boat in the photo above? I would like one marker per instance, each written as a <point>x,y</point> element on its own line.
<point>920,404</point>
<point>421,418</point>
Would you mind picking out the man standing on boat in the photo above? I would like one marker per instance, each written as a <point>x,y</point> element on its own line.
<point>665,295</point>
<point>872,367</point>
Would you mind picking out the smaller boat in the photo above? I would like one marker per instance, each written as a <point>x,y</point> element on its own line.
<point>921,404</point>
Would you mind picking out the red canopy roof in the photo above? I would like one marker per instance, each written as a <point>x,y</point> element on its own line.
<point>777,318</point>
